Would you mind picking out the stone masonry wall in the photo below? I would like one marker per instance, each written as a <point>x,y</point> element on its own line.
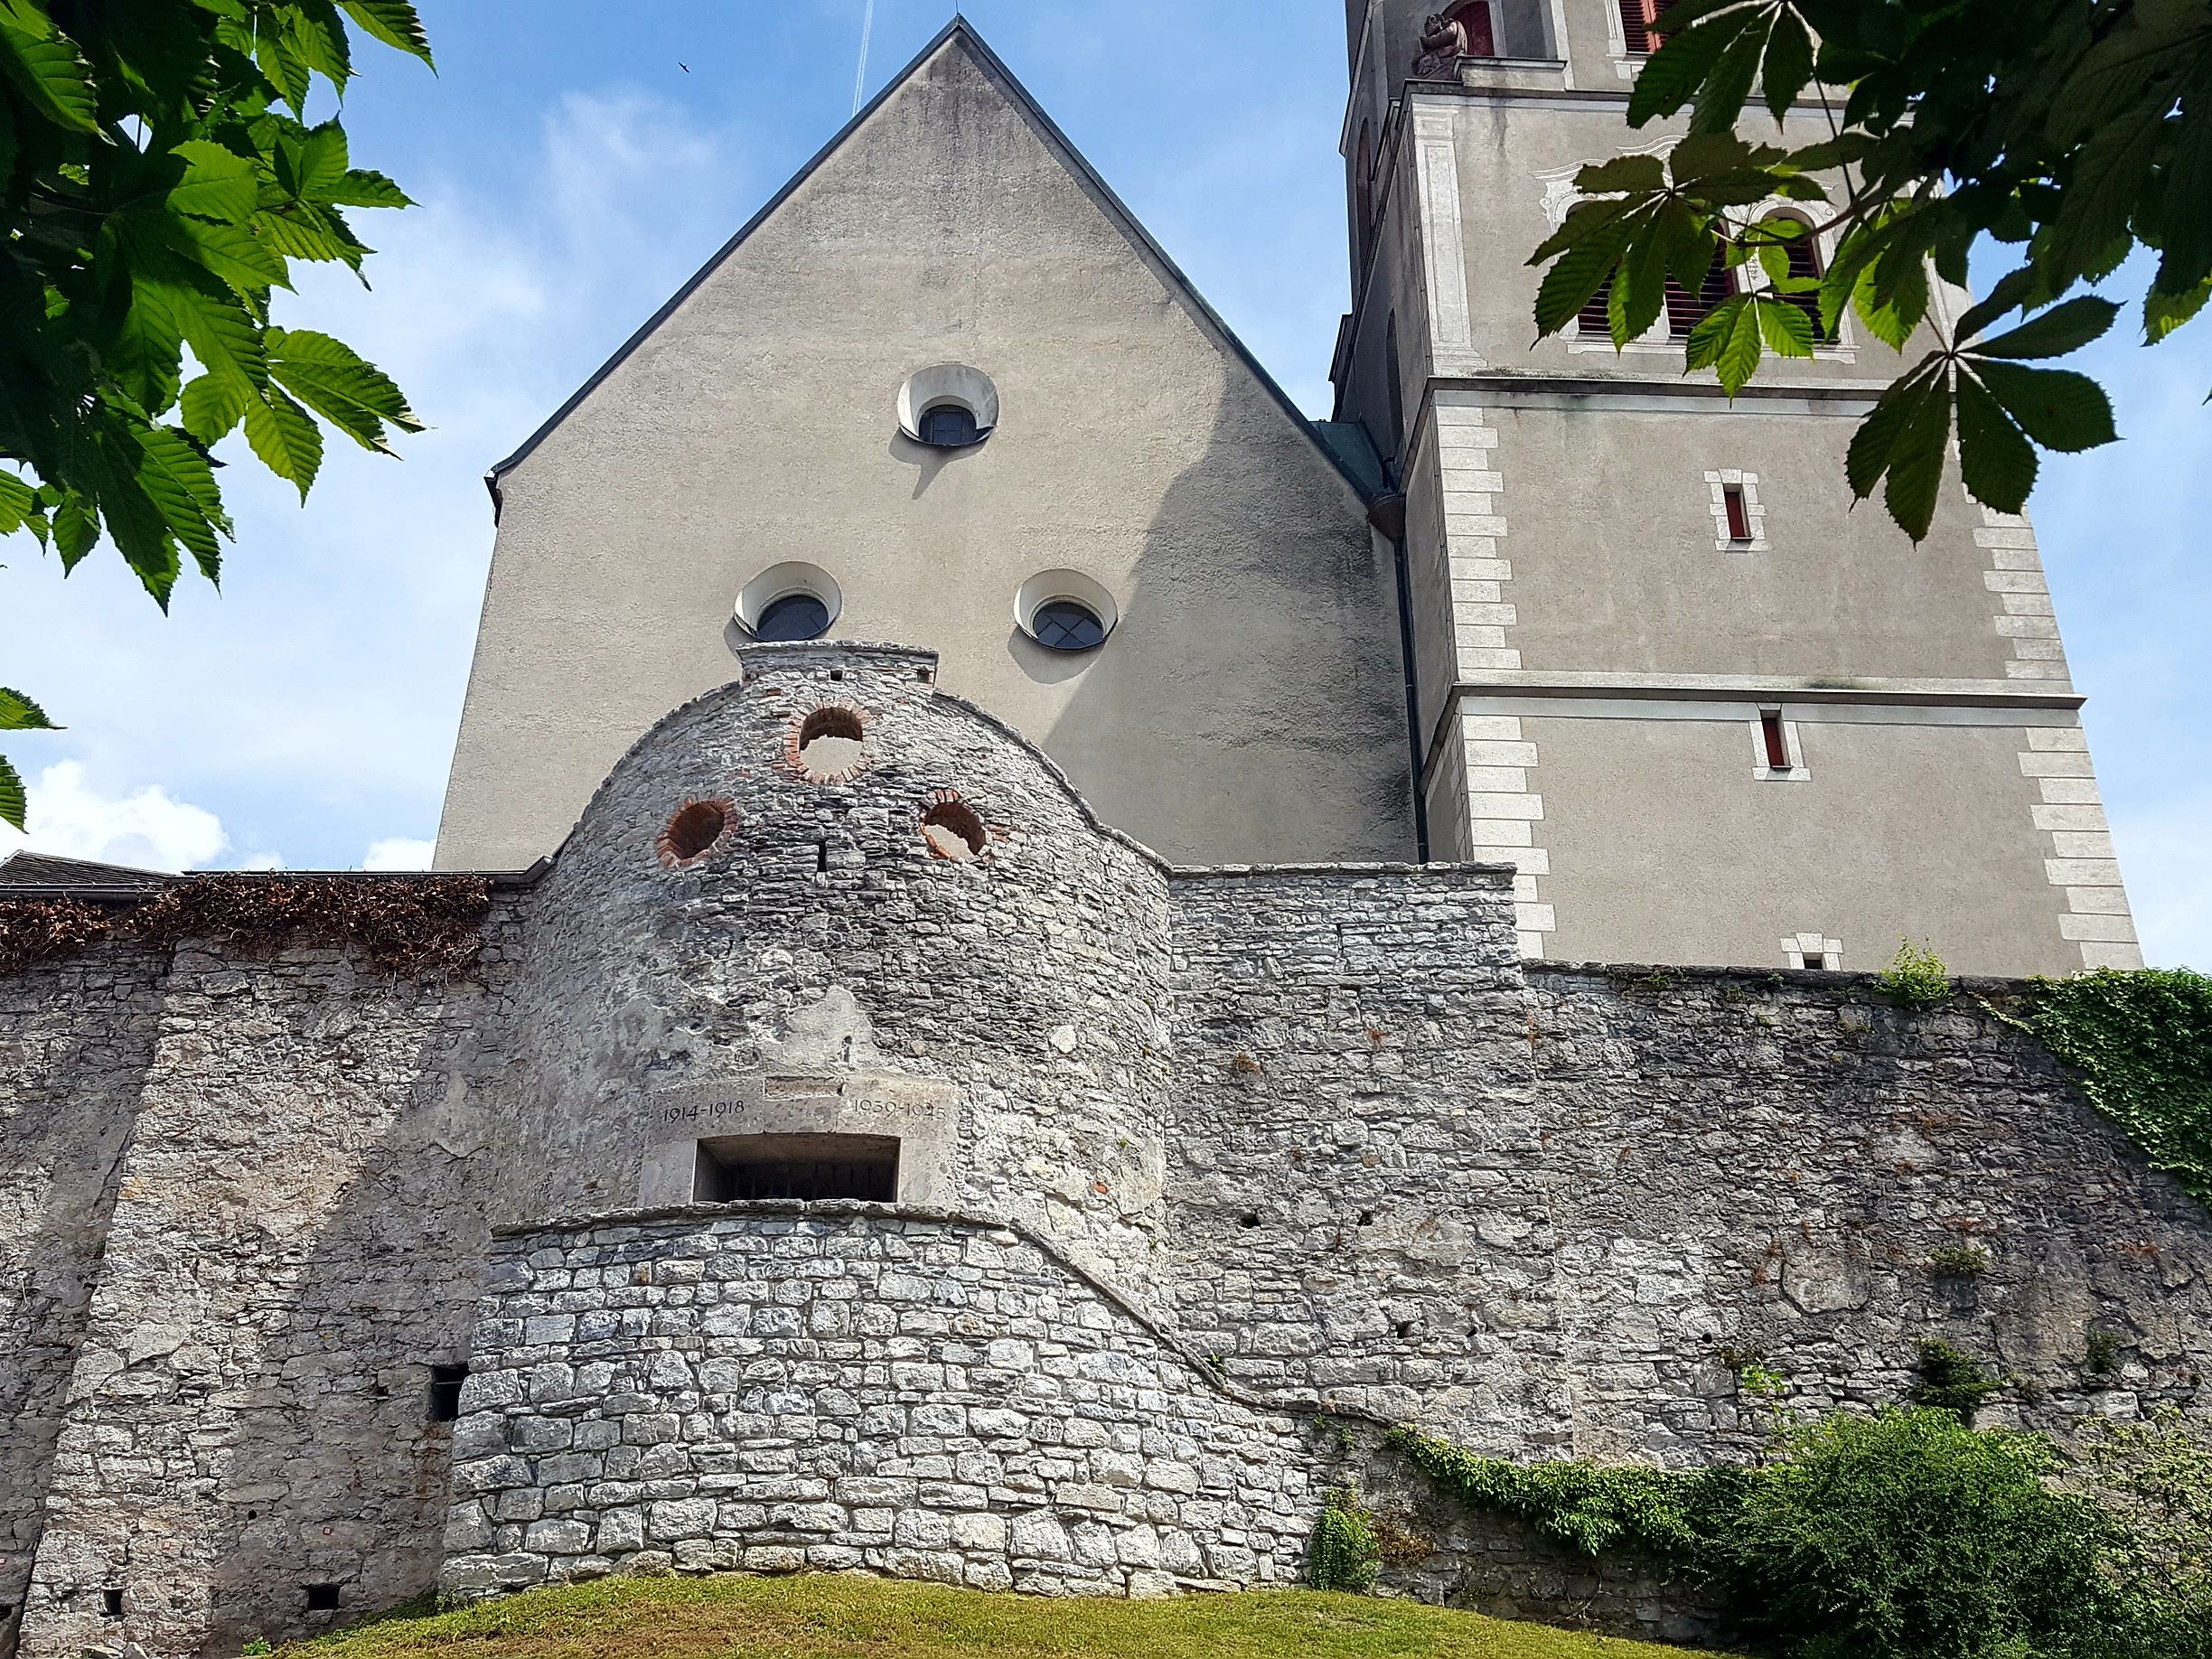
<point>76,1038</point>
<point>849,1387</point>
<point>297,1233</point>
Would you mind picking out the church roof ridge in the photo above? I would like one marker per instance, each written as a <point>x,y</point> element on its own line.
<point>959,29</point>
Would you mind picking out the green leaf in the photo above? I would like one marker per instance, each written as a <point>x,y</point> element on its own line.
<point>52,78</point>
<point>334,381</point>
<point>217,185</point>
<point>1573,278</point>
<point>76,530</point>
<point>1789,62</point>
<point>2059,331</point>
<point>1786,328</point>
<point>2165,313</point>
<point>146,356</point>
<point>178,480</point>
<point>2186,194</point>
<point>2009,291</point>
<point>1998,462</point>
<point>286,437</point>
<point>213,404</point>
<point>1585,220</point>
<point>1876,441</point>
<point>1892,321</point>
<point>1678,68</point>
<point>2058,408</point>
<point>1638,293</point>
<point>1720,102</point>
<point>394,23</point>
<point>1622,174</point>
<point>18,504</point>
<point>1917,463</point>
<point>2099,199</point>
<point>223,335</point>
<point>14,808</point>
<point>231,252</point>
<point>286,71</point>
<point>363,187</point>
<point>321,162</point>
<point>18,713</point>
<point>1728,342</point>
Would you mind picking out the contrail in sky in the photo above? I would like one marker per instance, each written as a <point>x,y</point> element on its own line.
<point>868,27</point>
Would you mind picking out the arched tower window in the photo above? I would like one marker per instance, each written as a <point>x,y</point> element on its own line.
<point>1637,16</point>
<point>1474,16</point>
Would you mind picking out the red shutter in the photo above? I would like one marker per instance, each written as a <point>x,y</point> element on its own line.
<point>1777,742</point>
<point>1636,19</point>
<point>1592,320</point>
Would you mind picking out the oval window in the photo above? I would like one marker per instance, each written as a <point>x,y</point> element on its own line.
<point>795,616</point>
<point>1065,624</point>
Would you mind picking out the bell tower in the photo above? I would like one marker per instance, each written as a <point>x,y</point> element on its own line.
<point>1708,712</point>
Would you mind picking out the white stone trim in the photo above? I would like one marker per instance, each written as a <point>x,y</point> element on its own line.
<point>2082,864</point>
<point>1799,773</point>
<point>1490,782</point>
<point>2022,599</point>
<point>1755,512</point>
<point>1797,950</point>
<point>1436,166</point>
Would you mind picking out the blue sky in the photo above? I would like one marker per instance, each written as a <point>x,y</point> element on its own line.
<point>572,171</point>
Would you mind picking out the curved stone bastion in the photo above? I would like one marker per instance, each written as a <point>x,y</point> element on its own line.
<point>788,1387</point>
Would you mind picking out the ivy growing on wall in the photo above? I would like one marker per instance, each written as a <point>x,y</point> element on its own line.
<point>427,927</point>
<point>1346,1552</point>
<point>2140,1043</point>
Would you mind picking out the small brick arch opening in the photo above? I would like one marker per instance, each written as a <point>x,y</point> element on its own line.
<point>954,831</point>
<point>829,745</point>
<point>695,830</point>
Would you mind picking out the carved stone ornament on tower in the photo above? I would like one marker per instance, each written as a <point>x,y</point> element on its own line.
<point>1444,42</point>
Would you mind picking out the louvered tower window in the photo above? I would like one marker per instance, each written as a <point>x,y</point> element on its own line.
<point>1636,19</point>
<point>1686,310</point>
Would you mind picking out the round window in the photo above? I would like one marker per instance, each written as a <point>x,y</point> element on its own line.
<point>950,425</point>
<point>1066,626</point>
<point>795,616</point>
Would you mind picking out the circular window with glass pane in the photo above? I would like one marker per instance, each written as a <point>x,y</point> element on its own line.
<point>795,616</point>
<point>1066,626</point>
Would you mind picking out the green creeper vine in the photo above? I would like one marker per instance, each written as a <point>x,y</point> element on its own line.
<point>2141,1044</point>
<point>1346,1552</point>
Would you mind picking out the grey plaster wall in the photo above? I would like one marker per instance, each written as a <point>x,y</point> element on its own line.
<point>926,1397</point>
<point>1892,831</point>
<point>295,1234</point>
<point>1248,706</point>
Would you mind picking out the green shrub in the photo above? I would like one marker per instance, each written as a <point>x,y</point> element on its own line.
<point>2141,1046</point>
<point>1911,1536</point>
<point>1917,979</point>
<point>1959,1262</point>
<point>1345,1553</point>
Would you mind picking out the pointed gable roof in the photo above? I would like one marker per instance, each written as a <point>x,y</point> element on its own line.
<point>960,33</point>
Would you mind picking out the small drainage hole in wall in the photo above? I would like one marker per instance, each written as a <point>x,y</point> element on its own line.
<point>1250,1221</point>
<point>1366,1218</point>
<point>953,832</point>
<point>831,744</point>
<point>322,1598</point>
<point>111,1603</point>
<point>693,831</point>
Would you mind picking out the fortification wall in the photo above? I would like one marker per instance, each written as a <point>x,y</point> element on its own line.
<point>924,1396</point>
<point>75,1039</point>
<point>296,1234</point>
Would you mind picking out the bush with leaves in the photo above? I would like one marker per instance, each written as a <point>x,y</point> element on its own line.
<point>2068,131</point>
<point>1916,977</point>
<point>157,179</point>
<point>2157,1476</point>
<point>1907,1535</point>
<point>1346,1552</point>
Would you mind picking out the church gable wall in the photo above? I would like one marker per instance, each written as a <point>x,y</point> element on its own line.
<point>1249,703</point>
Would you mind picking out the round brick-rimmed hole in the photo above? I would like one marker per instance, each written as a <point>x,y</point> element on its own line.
<point>829,746</point>
<point>954,831</point>
<point>694,830</point>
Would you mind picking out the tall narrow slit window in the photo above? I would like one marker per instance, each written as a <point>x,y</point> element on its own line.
<point>1738,512</point>
<point>1775,736</point>
<point>1686,310</point>
<point>1637,16</point>
<point>445,1382</point>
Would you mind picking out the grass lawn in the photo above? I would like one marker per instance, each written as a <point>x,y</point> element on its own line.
<point>852,1617</point>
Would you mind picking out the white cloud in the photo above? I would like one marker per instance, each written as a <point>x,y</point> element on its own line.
<point>397,855</point>
<point>146,829</point>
